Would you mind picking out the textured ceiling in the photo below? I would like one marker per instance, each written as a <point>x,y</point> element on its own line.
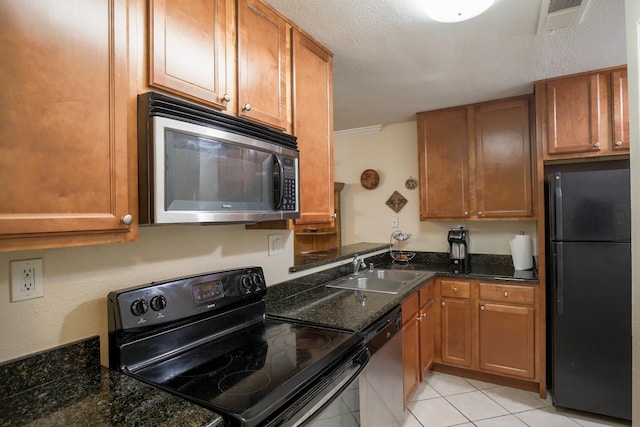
<point>391,60</point>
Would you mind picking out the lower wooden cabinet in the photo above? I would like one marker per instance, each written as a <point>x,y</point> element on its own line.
<point>487,327</point>
<point>410,346</point>
<point>417,338</point>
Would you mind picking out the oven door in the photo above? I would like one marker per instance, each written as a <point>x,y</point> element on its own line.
<point>309,405</point>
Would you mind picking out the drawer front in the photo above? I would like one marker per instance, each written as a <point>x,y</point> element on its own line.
<point>426,294</point>
<point>507,293</point>
<point>455,289</point>
<point>410,308</point>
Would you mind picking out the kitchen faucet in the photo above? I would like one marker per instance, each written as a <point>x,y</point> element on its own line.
<point>358,263</point>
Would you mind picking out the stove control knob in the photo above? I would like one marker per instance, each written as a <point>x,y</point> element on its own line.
<point>139,307</point>
<point>159,302</point>
<point>245,284</point>
<point>257,280</point>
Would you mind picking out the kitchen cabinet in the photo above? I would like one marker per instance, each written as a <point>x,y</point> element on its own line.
<point>317,239</point>
<point>475,162</point>
<point>417,338</point>
<point>410,346</point>
<point>583,115</point>
<point>426,324</point>
<point>263,68</point>
<point>188,49</point>
<point>313,126</point>
<point>506,329</point>
<point>455,322</point>
<point>68,111</point>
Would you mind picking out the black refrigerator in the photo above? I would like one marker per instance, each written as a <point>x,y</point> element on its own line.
<point>589,306</point>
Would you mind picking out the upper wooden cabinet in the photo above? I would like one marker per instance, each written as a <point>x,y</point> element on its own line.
<point>313,125</point>
<point>583,115</point>
<point>68,110</point>
<point>188,49</point>
<point>475,162</point>
<point>263,72</point>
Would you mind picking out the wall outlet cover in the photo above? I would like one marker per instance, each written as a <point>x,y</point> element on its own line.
<point>27,279</point>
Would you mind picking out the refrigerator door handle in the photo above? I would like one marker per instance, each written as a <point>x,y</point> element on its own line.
<point>557,206</point>
<point>559,264</point>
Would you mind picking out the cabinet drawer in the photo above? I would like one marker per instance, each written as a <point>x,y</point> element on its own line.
<point>455,289</point>
<point>506,293</point>
<point>426,294</point>
<point>410,308</point>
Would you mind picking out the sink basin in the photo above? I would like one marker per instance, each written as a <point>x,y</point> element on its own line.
<point>379,280</point>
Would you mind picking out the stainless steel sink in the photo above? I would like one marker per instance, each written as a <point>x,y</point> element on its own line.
<point>378,280</point>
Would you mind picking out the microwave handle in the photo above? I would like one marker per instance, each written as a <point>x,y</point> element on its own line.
<point>278,182</point>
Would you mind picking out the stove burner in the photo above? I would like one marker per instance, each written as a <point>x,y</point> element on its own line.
<point>209,363</point>
<point>309,340</point>
<point>244,382</point>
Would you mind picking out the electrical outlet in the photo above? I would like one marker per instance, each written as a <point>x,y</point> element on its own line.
<point>26,279</point>
<point>275,244</point>
<point>394,222</point>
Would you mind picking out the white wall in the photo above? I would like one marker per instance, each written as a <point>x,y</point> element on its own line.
<point>632,13</point>
<point>393,152</point>
<point>77,280</point>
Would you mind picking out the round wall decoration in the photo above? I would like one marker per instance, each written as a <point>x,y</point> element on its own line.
<point>411,183</point>
<point>369,179</point>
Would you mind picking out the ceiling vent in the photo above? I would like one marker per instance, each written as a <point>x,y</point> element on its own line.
<point>555,14</point>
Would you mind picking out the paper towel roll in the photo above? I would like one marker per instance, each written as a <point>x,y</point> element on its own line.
<point>521,252</point>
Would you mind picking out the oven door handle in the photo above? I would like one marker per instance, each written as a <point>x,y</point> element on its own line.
<point>302,412</point>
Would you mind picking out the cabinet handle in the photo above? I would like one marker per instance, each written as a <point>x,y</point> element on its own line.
<point>442,303</point>
<point>246,107</point>
<point>618,143</point>
<point>482,308</point>
<point>597,145</point>
<point>455,290</point>
<point>126,219</point>
<point>506,294</point>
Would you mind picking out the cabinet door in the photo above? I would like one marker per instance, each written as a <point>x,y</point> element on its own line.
<point>65,102</point>
<point>410,358</point>
<point>507,339</point>
<point>443,160</point>
<point>426,338</point>
<point>187,41</point>
<point>577,114</point>
<point>620,99</point>
<point>503,179</point>
<point>313,125</point>
<point>456,331</point>
<point>262,64</point>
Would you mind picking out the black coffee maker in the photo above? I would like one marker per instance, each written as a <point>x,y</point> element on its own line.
<point>458,253</point>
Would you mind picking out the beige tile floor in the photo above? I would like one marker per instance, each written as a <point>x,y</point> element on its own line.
<point>445,400</point>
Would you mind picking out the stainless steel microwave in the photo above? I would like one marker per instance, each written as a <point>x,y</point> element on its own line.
<point>196,165</point>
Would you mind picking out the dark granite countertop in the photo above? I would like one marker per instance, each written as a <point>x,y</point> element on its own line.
<point>318,258</point>
<point>67,386</point>
<point>306,299</point>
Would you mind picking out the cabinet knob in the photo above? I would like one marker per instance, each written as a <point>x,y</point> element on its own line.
<point>455,290</point>
<point>597,145</point>
<point>126,219</point>
<point>480,213</point>
<point>442,303</point>
<point>482,308</point>
<point>226,97</point>
<point>618,143</point>
<point>506,294</point>
<point>424,315</point>
<point>419,318</point>
<point>246,107</point>
<point>466,213</point>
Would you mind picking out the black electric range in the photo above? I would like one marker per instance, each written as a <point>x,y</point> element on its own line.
<point>206,338</point>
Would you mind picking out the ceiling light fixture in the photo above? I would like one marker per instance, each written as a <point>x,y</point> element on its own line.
<point>456,10</point>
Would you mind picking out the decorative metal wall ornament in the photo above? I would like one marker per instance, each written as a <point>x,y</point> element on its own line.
<point>411,183</point>
<point>396,201</point>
